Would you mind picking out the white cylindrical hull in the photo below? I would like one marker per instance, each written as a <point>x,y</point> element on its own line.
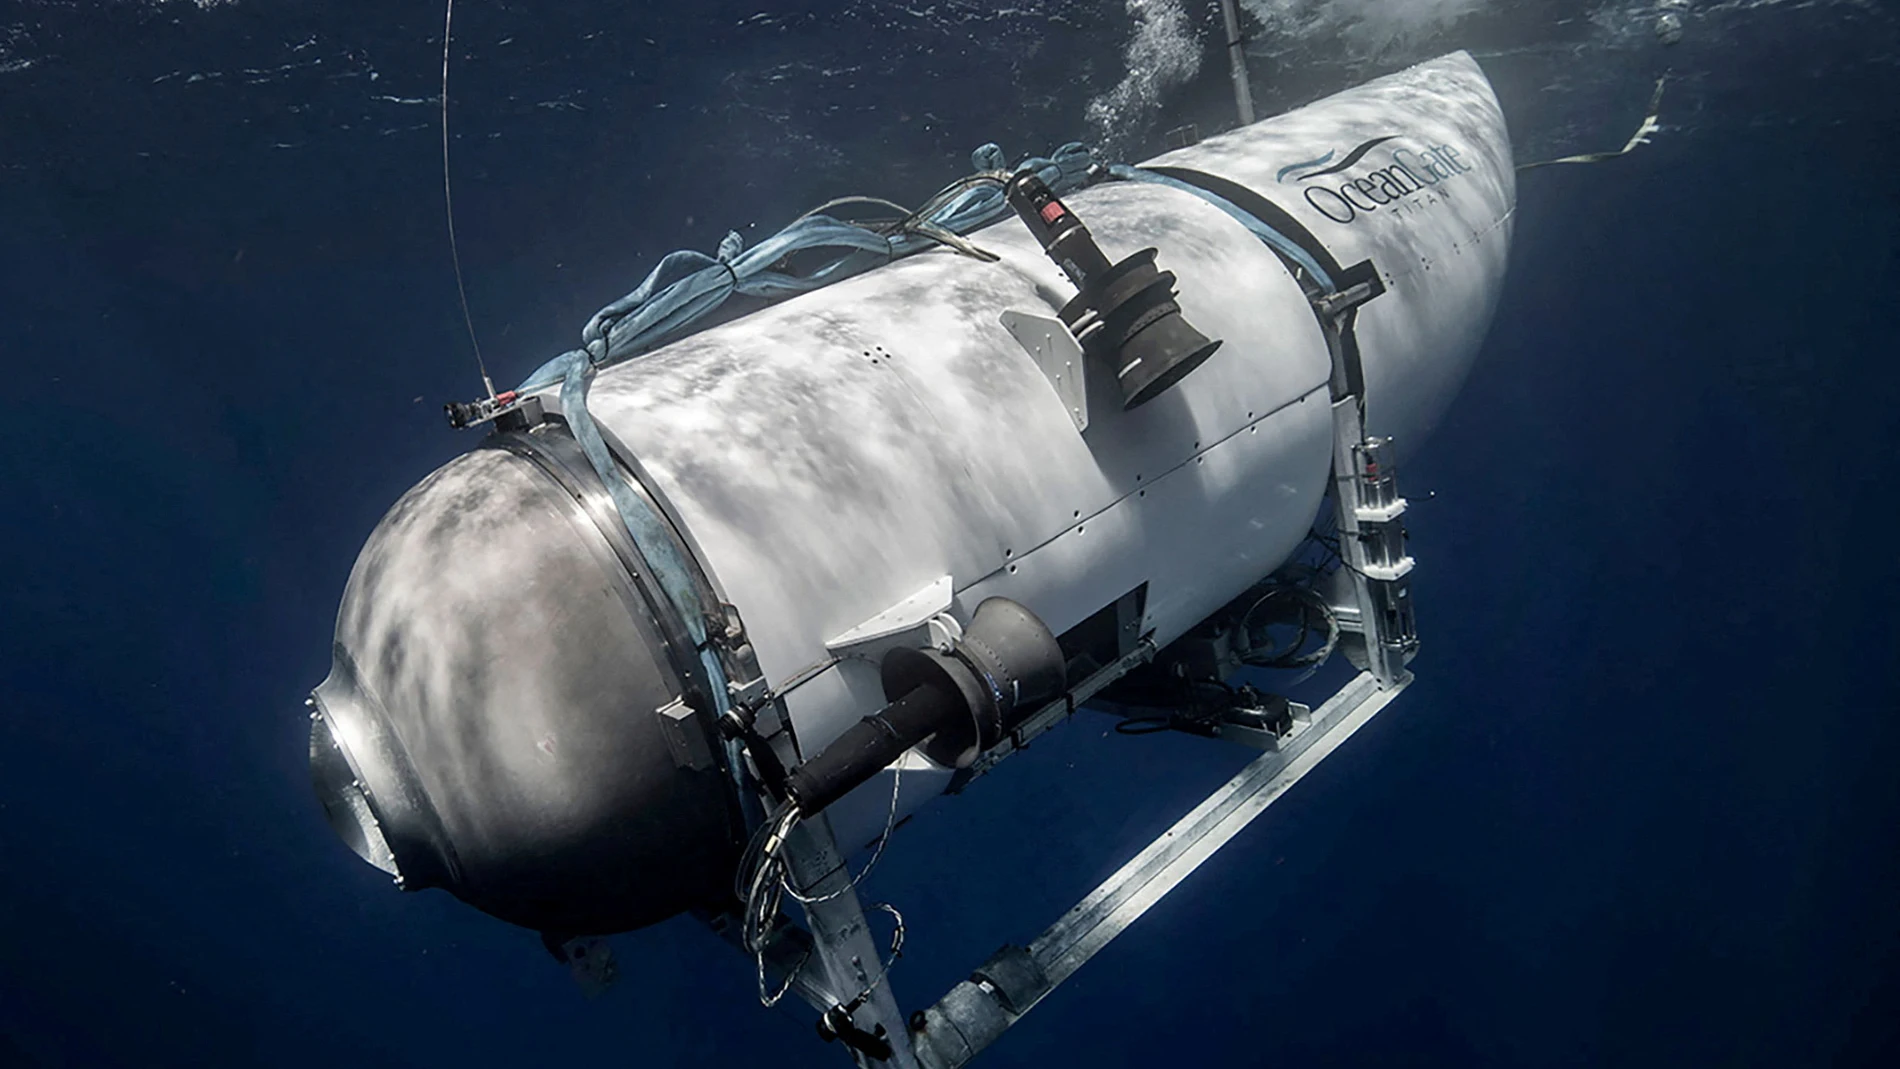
<point>831,455</point>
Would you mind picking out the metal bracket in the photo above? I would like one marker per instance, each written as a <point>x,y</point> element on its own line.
<point>686,735</point>
<point>1265,728</point>
<point>749,692</point>
<point>1333,305</point>
<point>1049,343</point>
<point>894,626</point>
<point>1356,285</point>
<point>945,632</point>
<point>509,410</point>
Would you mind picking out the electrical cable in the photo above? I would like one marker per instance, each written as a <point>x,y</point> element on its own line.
<point>897,951</point>
<point>839,202</point>
<point>1650,125</point>
<point>1289,656</point>
<point>890,825</point>
<point>763,879</point>
<point>448,202</point>
<point>1192,711</point>
<point>762,902</point>
<point>683,291</point>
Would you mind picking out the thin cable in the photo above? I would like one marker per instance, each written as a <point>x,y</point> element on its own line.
<point>1651,125</point>
<point>950,192</point>
<point>1289,656</point>
<point>897,951</point>
<point>838,202</point>
<point>769,910</point>
<point>751,857</point>
<point>762,899</point>
<point>890,825</point>
<point>766,879</point>
<point>769,999</point>
<point>448,203</point>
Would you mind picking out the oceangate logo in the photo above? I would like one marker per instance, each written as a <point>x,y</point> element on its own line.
<point>1401,180</point>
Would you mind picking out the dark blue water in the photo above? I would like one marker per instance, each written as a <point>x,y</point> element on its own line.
<point>1641,808</point>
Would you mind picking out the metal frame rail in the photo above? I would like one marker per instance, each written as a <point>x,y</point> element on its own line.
<point>978,1010</point>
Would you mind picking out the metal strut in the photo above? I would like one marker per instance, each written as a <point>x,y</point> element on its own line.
<point>978,1010</point>
<point>845,956</point>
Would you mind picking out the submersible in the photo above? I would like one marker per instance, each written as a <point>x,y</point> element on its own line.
<point>884,531</point>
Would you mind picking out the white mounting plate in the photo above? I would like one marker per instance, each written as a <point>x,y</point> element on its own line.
<point>1389,573</point>
<point>1048,342</point>
<point>1391,512</point>
<point>909,614</point>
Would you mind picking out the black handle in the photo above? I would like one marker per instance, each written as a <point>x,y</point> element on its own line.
<point>1061,234</point>
<point>869,745</point>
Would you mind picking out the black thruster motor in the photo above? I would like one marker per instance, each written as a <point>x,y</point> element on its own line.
<point>955,703</point>
<point>1124,312</point>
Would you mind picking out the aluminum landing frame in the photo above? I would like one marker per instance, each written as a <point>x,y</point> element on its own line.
<point>1372,603</point>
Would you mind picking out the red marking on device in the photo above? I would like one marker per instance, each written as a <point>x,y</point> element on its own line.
<point>1053,211</point>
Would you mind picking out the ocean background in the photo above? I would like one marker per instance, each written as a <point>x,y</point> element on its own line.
<point>1641,808</point>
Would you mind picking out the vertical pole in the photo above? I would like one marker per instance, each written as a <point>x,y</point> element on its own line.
<point>1237,56</point>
